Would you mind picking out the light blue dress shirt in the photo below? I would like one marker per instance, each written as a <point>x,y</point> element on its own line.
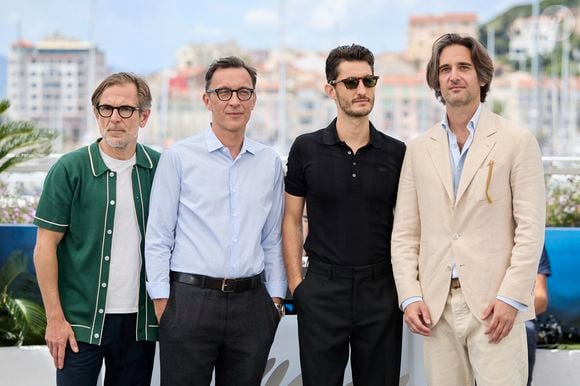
<point>457,158</point>
<point>216,216</point>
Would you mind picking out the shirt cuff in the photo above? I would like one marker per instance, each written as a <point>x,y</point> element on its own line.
<point>158,290</point>
<point>515,304</point>
<point>277,289</point>
<point>412,299</point>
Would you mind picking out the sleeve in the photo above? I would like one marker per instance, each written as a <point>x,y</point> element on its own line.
<point>544,267</point>
<point>271,240</point>
<point>160,236</point>
<point>53,211</point>
<point>295,179</point>
<point>529,215</point>
<point>406,235</point>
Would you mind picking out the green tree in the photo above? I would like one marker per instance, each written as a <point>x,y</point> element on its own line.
<point>22,318</point>
<point>21,141</point>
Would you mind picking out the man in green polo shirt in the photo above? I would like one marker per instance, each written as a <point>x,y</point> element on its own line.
<point>89,251</point>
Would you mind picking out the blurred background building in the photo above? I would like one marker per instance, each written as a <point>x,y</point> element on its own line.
<point>536,83</point>
<point>51,82</point>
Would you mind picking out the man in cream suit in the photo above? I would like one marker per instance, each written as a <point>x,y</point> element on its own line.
<point>469,228</point>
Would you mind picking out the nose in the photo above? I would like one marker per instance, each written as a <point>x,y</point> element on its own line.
<point>360,87</point>
<point>454,74</point>
<point>234,100</point>
<point>115,116</point>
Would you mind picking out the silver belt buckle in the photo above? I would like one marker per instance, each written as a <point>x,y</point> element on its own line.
<point>225,285</point>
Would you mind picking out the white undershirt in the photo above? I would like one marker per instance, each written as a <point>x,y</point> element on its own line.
<point>123,292</point>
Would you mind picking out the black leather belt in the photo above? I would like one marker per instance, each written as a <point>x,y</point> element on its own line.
<point>220,284</point>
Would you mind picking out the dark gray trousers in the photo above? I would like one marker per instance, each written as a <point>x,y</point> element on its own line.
<point>202,329</point>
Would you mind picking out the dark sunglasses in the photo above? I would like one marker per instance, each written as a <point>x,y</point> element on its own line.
<point>352,82</point>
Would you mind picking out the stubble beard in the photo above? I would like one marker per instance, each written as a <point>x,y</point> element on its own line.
<point>346,107</point>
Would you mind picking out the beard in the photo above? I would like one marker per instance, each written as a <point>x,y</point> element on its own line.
<point>118,142</point>
<point>347,106</point>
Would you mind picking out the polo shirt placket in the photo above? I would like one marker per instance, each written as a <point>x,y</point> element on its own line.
<point>105,256</point>
<point>79,199</point>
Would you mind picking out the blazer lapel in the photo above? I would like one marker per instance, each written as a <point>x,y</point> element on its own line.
<point>439,153</point>
<point>482,144</point>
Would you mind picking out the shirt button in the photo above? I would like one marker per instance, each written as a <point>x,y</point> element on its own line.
<point>354,164</point>
<point>104,285</point>
<point>101,310</point>
<point>455,236</point>
<point>109,231</point>
<point>112,174</point>
<point>112,202</point>
<point>107,258</point>
<point>235,240</point>
<point>349,152</point>
<point>353,175</point>
<point>97,336</point>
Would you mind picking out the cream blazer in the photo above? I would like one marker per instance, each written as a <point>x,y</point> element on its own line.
<point>493,230</point>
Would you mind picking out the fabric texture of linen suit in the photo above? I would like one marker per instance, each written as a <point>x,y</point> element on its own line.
<point>493,229</point>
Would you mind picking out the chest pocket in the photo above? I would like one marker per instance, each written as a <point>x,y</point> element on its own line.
<point>491,182</point>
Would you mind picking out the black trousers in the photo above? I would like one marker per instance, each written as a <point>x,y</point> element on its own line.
<point>339,307</point>
<point>202,329</point>
<point>127,361</point>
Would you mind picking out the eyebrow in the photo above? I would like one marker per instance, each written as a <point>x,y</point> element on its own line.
<point>459,64</point>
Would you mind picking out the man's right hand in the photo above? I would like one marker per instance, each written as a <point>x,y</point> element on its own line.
<point>159,305</point>
<point>418,319</point>
<point>58,334</point>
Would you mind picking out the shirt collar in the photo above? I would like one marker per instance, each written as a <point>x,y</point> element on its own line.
<point>99,167</point>
<point>213,143</point>
<point>471,125</point>
<point>330,135</point>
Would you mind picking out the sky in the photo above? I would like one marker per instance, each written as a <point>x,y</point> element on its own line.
<point>143,35</point>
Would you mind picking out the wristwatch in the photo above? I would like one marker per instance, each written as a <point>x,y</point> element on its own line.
<point>281,309</point>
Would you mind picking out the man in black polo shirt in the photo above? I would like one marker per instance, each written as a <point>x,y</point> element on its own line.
<point>348,175</point>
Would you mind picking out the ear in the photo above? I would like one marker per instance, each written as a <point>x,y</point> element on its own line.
<point>330,91</point>
<point>206,101</point>
<point>144,117</point>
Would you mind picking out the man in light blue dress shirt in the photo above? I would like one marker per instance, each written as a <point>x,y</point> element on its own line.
<point>213,247</point>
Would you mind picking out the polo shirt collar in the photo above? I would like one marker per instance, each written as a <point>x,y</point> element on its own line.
<point>98,166</point>
<point>330,135</point>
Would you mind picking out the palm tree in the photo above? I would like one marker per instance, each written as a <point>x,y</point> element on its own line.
<point>22,318</point>
<point>21,141</point>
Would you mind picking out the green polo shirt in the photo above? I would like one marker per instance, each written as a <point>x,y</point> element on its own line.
<point>78,199</point>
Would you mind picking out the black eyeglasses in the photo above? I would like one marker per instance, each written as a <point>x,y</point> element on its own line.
<point>352,82</point>
<point>225,94</point>
<point>106,111</point>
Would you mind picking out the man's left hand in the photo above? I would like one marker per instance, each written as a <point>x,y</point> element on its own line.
<point>502,321</point>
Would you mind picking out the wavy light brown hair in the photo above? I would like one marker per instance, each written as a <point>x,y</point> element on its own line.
<point>479,56</point>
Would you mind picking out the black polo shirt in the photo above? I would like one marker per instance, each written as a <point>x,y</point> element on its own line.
<point>350,197</point>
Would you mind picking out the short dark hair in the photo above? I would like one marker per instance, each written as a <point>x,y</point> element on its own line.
<point>229,62</point>
<point>481,61</point>
<point>351,53</point>
<point>143,92</point>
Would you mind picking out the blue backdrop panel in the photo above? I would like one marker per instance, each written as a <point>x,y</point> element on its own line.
<point>14,237</point>
<point>563,246</point>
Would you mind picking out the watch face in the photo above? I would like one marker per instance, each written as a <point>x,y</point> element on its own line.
<point>280,308</point>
